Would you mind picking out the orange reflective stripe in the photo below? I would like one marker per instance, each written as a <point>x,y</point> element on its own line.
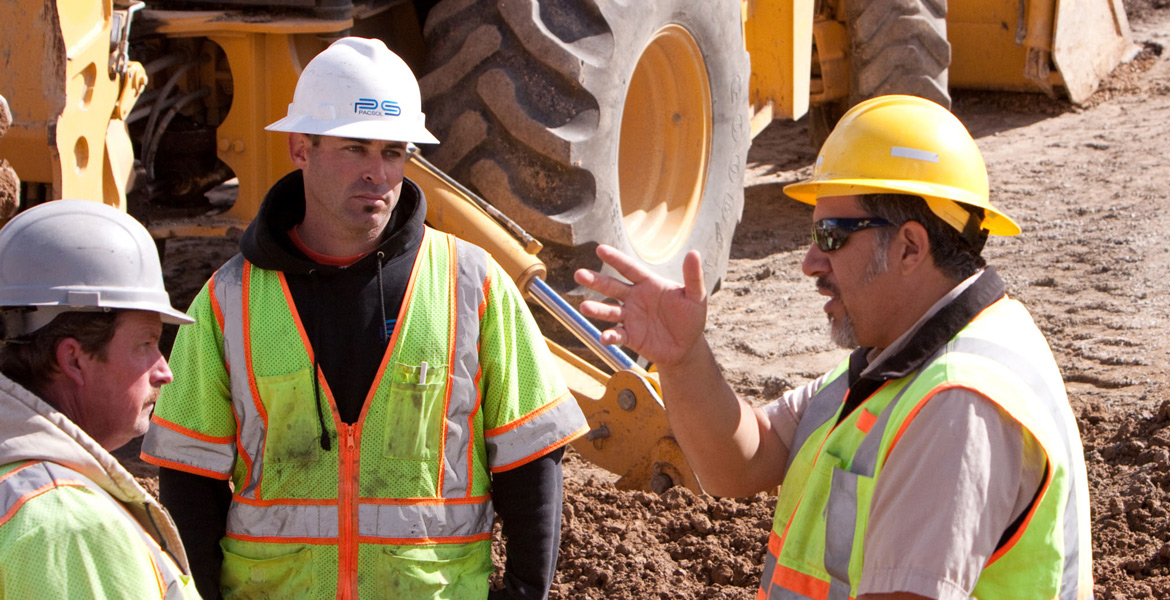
<point>347,504</point>
<point>426,501</point>
<point>215,308</point>
<point>774,544</point>
<point>526,418</point>
<point>177,466</point>
<point>246,333</point>
<point>806,585</point>
<point>425,541</point>
<point>865,420</point>
<point>191,433</point>
<point>535,455</point>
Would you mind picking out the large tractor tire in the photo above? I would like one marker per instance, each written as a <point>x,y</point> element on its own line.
<point>596,121</point>
<point>896,47</point>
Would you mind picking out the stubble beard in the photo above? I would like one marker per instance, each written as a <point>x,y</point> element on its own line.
<point>841,331</point>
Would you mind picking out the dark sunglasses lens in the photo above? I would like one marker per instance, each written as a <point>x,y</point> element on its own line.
<point>828,237</point>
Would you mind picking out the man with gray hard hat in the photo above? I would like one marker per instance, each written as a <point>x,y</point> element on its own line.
<point>361,392</point>
<point>83,307</point>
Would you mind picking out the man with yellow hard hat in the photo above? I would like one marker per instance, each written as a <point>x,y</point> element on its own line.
<point>941,459</point>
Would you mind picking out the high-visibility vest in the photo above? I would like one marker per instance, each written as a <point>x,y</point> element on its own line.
<point>816,547</point>
<point>24,483</point>
<point>400,505</point>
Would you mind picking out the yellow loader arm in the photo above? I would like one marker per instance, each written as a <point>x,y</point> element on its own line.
<point>629,434</point>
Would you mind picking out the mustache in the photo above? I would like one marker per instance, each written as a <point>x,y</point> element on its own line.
<point>823,284</point>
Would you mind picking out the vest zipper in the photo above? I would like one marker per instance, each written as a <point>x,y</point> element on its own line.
<point>347,544</point>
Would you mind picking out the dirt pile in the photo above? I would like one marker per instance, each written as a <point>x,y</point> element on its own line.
<point>618,544</point>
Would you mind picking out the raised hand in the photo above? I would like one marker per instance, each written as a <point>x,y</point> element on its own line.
<point>660,319</point>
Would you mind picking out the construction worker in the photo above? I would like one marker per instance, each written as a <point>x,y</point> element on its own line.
<point>941,459</point>
<point>370,387</point>
<point>82,306</point>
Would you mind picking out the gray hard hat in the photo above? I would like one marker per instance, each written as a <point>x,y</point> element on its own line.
<point>78,256</point>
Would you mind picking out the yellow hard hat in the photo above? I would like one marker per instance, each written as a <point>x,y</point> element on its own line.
<point>905,145</point>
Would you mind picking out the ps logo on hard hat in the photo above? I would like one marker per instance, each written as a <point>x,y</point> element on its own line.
<point>370,106</point>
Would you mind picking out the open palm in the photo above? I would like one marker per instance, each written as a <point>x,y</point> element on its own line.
<point>658,318</point>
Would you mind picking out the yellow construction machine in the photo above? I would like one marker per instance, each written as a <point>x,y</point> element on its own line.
<point>564,123</point>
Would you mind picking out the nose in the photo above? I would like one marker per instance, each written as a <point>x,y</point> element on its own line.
<point>815,263</point>
<point>377,171</point>
<point>161,374</point>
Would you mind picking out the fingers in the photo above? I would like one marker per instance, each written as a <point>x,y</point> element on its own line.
<point>623,263</point>
<point>615,336</point>
<point>696,288</point>
<point>604,284</point>
<point>601,311</point>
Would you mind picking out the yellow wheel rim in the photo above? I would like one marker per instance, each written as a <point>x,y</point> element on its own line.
<point>665,144</point>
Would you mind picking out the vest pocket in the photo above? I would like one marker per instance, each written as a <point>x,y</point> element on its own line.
<point>434,572</point>
<point>293,434</point>
<point>282,576</point>
<point>415,411</point>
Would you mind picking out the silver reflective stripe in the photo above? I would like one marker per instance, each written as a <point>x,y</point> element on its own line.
<point>842,506</point>
<point>838,590</point>
<point>425,521</point>
<point>542,431</point>
<point>840,526</point>
<point>20,484</point>
<point>769,571</point>
<point>472,271</point>
<point>229,294</point>
<point>779,593</point>
<point>218,458</point>
<point>1056,403</point>
<point>414,521</point>
<point>823,406</point>
<point>283,520</point>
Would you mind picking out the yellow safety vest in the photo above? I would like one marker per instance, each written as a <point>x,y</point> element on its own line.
<point>816,549</point>
<point>400,505</point>
<point>22,483</point>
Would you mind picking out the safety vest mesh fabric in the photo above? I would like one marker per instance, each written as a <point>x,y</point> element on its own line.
<point>28,481</point>
<point>407,484</point>
<point>816,547</point>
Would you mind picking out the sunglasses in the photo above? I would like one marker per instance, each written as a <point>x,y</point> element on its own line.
<point>831,234</point>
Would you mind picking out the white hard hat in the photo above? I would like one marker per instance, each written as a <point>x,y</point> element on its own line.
<point>357,88</point>
<point>78,256</point>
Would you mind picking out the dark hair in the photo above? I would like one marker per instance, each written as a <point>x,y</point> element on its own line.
<point>956,257</point>
<point>31,360</point>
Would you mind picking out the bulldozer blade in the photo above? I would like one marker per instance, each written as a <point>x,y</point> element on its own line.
<point>1090,39</point>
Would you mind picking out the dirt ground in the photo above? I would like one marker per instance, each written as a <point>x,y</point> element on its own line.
<point>1088,186</point>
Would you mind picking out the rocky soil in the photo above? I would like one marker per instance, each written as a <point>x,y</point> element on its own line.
<point>1089,186</point>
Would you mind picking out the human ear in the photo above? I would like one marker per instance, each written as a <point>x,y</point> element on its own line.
<point>914,247</point>
<point>69,356</point>
<point>298,149</point>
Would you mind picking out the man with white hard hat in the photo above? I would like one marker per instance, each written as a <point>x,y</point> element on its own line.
<point>83,305</point>
<point>361,392</point>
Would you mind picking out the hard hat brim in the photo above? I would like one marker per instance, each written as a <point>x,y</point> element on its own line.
<point>995,222</point>
<point>361,130</point>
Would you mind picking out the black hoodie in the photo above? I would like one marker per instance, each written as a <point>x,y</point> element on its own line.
<point>341,309</point>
